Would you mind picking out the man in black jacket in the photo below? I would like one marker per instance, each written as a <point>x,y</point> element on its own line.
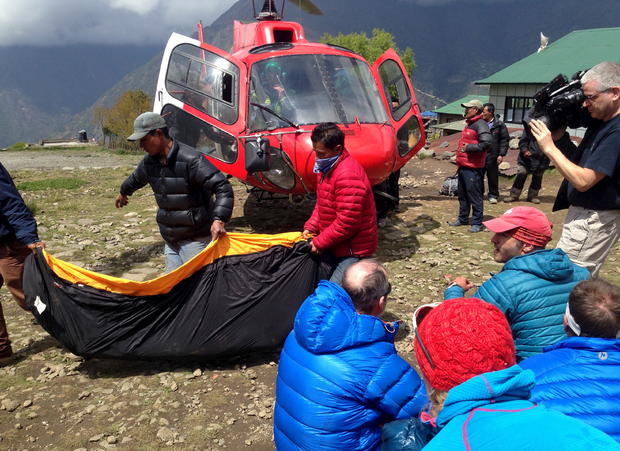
<point>194,198</point>
<point>498,151</point>
<point>533,161</point>
<point>18,238</point>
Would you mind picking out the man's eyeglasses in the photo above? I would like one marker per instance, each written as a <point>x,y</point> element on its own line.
<point>419,314</point>
<point>593,97</point>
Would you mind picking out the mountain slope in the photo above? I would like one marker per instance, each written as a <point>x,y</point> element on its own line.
<point>455,43</point>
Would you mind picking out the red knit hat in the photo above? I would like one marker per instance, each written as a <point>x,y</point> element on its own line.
<point>464,337</point>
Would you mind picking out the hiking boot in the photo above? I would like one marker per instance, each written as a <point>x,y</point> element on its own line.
<point>476,228</point>
<point>511,199</point>
<point>492,200</point>
<point>534,200</point>
<point>457,223</point>
<point>6,353</point>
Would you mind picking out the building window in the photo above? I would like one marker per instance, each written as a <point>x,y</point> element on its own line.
<point>516,108</point>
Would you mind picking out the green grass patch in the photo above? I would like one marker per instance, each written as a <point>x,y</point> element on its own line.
<point>55,183</point>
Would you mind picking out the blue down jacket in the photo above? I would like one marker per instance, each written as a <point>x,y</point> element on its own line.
<point>340,378</point>
<point>491,412</point>
<point>580,377</point>
<point>532,291</point>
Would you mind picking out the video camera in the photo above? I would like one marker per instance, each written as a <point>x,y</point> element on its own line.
<point>559,104</point>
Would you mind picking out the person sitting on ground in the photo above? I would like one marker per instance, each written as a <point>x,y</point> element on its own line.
<point>533,286</point>
<point>580,376</point>
<point>344,218</point>
<point>339,377</point>
<point>533,161</point>
<point>479,397</point>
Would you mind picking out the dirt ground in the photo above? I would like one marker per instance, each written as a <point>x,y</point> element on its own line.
<point>52,399</point>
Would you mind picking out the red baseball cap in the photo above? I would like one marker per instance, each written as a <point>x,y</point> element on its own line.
<point>531,219</point>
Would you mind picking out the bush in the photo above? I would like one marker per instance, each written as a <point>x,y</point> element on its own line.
<point>19,146</point>
<point>56,183</point>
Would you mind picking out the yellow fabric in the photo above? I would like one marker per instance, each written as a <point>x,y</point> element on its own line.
<point>229,244</point>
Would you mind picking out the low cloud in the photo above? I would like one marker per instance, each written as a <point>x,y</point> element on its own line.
<point>63,22</point>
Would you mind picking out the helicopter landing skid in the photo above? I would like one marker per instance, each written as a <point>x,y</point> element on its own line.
<point>266,196</point>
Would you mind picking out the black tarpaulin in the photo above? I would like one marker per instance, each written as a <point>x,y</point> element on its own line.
<point>239,295</point>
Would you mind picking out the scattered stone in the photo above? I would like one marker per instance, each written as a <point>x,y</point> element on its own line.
<point>95,438</point>
<point>197,372</point>
<point>111,439</point>
<point>9,405</point>
<point>165,434</point>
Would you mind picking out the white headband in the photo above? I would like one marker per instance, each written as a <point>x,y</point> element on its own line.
<point>570,320</point>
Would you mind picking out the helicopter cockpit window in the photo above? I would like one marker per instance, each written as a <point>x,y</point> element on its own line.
<point>202,136</point>
<point>309,89</point>
<point>204,81</point>
<point>395,85</point>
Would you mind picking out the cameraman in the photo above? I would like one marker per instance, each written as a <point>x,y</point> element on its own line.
<point>592,223</point>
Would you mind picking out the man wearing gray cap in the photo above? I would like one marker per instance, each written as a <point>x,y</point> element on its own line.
<point>194,198</point>
<point>475,142</point>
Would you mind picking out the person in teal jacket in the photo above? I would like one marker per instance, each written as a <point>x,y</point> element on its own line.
<point>580,376</point>
<point>479,396</point>
<point>339,377</point>
<point>533,286</point>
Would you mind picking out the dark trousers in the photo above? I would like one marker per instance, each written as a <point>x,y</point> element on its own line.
<point>12,257</point>
<point>470,194</point>
<point>535,184</point>
<point>492,172</point>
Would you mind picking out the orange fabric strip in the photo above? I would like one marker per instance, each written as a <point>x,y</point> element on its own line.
<point>229,244</point>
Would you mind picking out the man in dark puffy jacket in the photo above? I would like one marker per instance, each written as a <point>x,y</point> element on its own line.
<point>580,376</point>
<point>339,377</point>
<point>18,238</point>
<point>533,286</point>
<point>473,146</point>
<point>194,198</point>
<point>501,138</point>
<point>344,218</point>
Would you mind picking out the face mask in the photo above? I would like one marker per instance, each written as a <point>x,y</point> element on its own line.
<point>324,164</point>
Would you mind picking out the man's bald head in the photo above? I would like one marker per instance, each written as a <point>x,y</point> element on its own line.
<point>366,282</point>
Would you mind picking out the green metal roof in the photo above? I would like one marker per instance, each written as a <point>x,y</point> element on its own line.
<point>576,51</point>
<point>456,108</point>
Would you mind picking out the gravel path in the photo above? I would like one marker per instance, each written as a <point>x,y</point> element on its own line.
<point>69,159</point>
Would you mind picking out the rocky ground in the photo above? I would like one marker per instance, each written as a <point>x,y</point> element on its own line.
<point>52,399</point>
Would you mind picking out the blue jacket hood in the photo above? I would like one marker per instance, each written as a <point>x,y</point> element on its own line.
<point>551,264</point>
<point>328,322</point>
<point>510,384</point>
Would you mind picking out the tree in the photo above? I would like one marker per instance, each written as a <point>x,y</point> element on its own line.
<point>118,120</point>
<point>372,48</point>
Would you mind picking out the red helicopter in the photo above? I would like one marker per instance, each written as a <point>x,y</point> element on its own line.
<point>251,111</point>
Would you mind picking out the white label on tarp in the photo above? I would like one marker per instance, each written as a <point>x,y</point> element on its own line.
<point>38,303</point>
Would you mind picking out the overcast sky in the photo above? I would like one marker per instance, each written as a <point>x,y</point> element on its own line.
<point>61,22</point>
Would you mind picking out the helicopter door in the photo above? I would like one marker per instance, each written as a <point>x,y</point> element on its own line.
<point>399,99</point>
<point>199,92</point>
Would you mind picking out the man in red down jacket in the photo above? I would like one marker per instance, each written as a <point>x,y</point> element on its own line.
<point>475,142</point>
<point>344,220</point>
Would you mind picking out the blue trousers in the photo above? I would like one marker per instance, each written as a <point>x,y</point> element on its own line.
<point>470,194</point>
<point>178,253</point>
<point>341,267</point>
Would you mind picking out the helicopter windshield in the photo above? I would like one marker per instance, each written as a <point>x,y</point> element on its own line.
<point>309,89</point>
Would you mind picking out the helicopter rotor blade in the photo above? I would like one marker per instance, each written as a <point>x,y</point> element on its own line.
<point>307,6</point>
